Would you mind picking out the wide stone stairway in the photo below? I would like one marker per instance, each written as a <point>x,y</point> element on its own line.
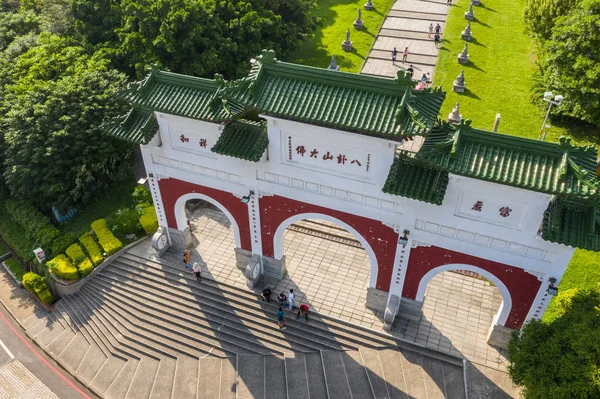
<point>142,328</point>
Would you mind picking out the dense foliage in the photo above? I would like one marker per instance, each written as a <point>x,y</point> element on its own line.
<point>560,358</point>
<point>37,285</point>
<point>569,61</point>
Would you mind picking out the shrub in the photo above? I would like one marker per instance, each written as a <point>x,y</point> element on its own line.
<point>106,238</point>
<point>61,244</point>
<point>125,221</point>
<point>76,254</point>
<point>149,220</point>
<point>62,267</point>
<point>21,243</point>
<point>92,248</point>
<point>85,267</point>
<point>36,284</point>
<point>139,208</point>
<point>141,194</point>
<point>35,223</point>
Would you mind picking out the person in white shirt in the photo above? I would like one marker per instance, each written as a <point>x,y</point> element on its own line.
<point>291,299</point>
<point>197,270</point>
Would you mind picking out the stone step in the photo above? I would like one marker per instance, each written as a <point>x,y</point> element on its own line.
<point>163,381</point>
<point>433,378</point>
<point>296,376</point>
<point>120,386</point>
<point>275,385</point>
<point>405,34</point>
<point>60,343</point>
<point>125,339</point>
<point>37,317</point>
<point>143,379</point>
<point>320,325</point>
<point>91,364</point>
<point>250,376</point>
<point>107,374</point>
<point>41,325</point>
<point>186,377</point>
<point>166,338</point>
<point>209,314</point>
<point>49,334</point>
<point>210,377</point>
<point>335,375</point>
<point>430,17</point>
<point>414,59</point>
<point>360,385</point>
<point>74,352</point>
<point>82,325</point>
<point>228,384</point>
<point>317,387</point>
<point>243,299</point>
<point>191,332</point>
<point>411,366</point>
<point>139,337</point>
<point>377,378</point>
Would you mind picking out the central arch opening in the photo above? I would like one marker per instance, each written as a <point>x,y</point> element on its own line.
<point>327,266</point>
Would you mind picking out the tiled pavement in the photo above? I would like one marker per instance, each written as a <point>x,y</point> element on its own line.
<point>406,25</point>
<point>17,382</point>
<point>332,278</point>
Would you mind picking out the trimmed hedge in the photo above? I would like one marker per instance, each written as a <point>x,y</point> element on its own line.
<point>35,223</point>
<point>80,260</point>
<point>92,248</point>
<point>36,284</point>
<point>106,238</point>
<point>63,242</point>
<point>62,267</point>
<point>149,220</point>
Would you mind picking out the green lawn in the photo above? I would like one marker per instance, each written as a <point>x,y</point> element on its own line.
<point>3,249</point>
<point>499,76</point>
<point>16,268</point>
<point>336,17</point>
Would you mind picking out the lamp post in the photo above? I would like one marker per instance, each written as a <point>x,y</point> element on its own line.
<point>550,98</point>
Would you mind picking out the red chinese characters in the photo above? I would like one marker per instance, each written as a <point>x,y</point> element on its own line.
<point>341,159</point>
<point>478,206</point>
<point>203,143</point>
<point>183,139</point>
<point>301,150</point>
<point>505,211</point>
<point>313,153</point>
<point>356,162</point>
<point>327,156</point>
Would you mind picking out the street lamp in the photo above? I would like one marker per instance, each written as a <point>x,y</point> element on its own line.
<point>550,98</point>
<point>552,289</point>
<point>246,198</point>
<point>404,239</point>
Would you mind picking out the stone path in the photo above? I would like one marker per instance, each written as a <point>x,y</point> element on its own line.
<point>16,382</point>
<point>406,25</point>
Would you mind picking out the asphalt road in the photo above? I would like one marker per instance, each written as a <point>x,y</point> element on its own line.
<point>14,344</point>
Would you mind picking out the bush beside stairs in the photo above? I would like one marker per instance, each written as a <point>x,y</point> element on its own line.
<point>142,329</point>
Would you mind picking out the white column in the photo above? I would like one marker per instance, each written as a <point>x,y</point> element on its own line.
<point>158,202</point>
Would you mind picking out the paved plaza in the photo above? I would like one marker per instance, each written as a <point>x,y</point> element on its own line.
<point>331,275</point>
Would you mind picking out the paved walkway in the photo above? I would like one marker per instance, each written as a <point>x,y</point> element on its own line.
<point>406,25</point>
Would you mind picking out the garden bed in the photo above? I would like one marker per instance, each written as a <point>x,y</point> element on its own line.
<point>15,269</point>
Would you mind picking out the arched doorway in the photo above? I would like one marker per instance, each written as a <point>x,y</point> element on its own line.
<point>214,236</point>
<point>329,265</point>
<point>460,305</point>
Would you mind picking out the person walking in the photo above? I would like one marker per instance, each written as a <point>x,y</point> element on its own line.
<point>405,54</point>
<point>424,80</point>
<point>281,318</point>
<point>430,30</point>
<point>266,295</point>
<point>410,70</point>
<point>187,257</point>
<point>197,270</point>
<point>394,55</point>
<point>291,299</point>
<point>303,311</point>
<point>438,29</point>
<point>436,40</point>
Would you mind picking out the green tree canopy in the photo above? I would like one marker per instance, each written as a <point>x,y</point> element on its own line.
<point>560,358</point>
<point>540,15</point>
<point>55,153</point>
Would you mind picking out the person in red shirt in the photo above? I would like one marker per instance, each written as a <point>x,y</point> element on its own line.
<point>303,311</point>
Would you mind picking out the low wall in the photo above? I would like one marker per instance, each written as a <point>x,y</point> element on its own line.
<point>63,289</point>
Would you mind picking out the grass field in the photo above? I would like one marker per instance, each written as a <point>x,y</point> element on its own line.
<point>16,268</point>
<point>336,17</point>
<point>499,75</point>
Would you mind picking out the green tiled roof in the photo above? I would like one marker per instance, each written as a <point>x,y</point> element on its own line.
<point>573,222</point>
<point>243,139</point>
<point>554,168</point>
<point>139,126</point>
<point>181,95</point>
<point>412,180</point>
<point>358,103</point>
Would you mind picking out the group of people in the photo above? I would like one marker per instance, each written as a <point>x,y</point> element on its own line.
<point>285,301</point>
<point>282,299</point>
<point>437,35</point>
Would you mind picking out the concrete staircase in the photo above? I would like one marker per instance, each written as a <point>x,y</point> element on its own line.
<point>145,329</point>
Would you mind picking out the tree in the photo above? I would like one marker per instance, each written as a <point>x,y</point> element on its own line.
<point>55,152</point>
<point>560,358</point>
<point>570,62</point>
<point>540,15</point>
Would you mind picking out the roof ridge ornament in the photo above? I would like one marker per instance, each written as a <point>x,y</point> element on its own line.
<point>267,57</point>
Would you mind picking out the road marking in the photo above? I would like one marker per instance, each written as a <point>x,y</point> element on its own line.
<point>8,352</point>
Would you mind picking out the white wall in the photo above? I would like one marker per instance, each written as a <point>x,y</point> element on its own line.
<point>454,225</point>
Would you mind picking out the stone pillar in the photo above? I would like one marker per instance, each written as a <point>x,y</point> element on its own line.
<point>410,309</point>
<point>376,299</point>
<point>347,44</point>
<point>242,258</point>
<point>180,239</point>
<point>252,272</point>
<point>498,336</point>
<point>275,268</point>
